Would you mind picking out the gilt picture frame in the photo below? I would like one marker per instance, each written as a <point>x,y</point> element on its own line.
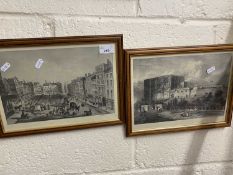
<point>178,88</point>
<point>60,83</point>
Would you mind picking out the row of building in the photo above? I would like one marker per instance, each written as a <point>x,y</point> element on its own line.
<point>23,89</point>
<point>96,87</point>
<point>2,88</point>
<point>172,86</point>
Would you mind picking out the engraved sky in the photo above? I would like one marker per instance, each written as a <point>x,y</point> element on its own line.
<point>193,67</point>
<point>61,65</point>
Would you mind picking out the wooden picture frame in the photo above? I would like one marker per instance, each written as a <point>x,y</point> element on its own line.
<point>178,88</point>
<point>60,83</point>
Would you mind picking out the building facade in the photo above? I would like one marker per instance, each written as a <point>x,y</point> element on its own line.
<point>159,88</point>
<point>181,93</point>
<point>2,87</point>
<point>109,90</point>
<point>203,91</point>
<point>100,85</point>
<point>171,90</point>
<point>104,85</point>
<point>13,86</point>
<point>28,90</point>
<point>77,87</point>
<point>96,88</point>
<point>37,88</point>
<point>91,88</point>
<point>52,88</point>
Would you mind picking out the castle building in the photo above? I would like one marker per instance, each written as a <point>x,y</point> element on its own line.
<point>159,88</point>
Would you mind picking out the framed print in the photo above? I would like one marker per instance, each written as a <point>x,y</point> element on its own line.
<point>61,83</point>
<point>179,88</point>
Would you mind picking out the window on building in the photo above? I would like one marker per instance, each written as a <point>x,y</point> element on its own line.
<point>111,82</point>
<point>107,83</point>
<point>107,93</point>
<point>111,94</point>
<point>110,75</point>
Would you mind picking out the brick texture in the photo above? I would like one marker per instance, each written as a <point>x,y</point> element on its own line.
<point>144,23</point>
<point>71,7</point>
<point>189,9</point>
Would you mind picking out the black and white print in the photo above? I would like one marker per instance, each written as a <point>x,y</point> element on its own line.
<point>70,82</point>
<point>180,87</point>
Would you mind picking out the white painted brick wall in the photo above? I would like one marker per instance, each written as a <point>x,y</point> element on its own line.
<point>188,9</point>
<point>71,7</point>
<point>144,23</point>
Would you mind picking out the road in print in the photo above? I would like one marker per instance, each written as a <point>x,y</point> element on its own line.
<point>67,83</point>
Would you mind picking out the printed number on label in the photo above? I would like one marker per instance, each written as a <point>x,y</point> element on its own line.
<point>105,49</point>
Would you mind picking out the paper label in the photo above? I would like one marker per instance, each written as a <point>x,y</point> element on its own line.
<point>39,63</point>
<point>5,66</point>
<point>210,70</point>
<point>106,48</point>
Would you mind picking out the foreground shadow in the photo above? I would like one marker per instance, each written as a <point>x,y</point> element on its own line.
<point>199,139</point>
